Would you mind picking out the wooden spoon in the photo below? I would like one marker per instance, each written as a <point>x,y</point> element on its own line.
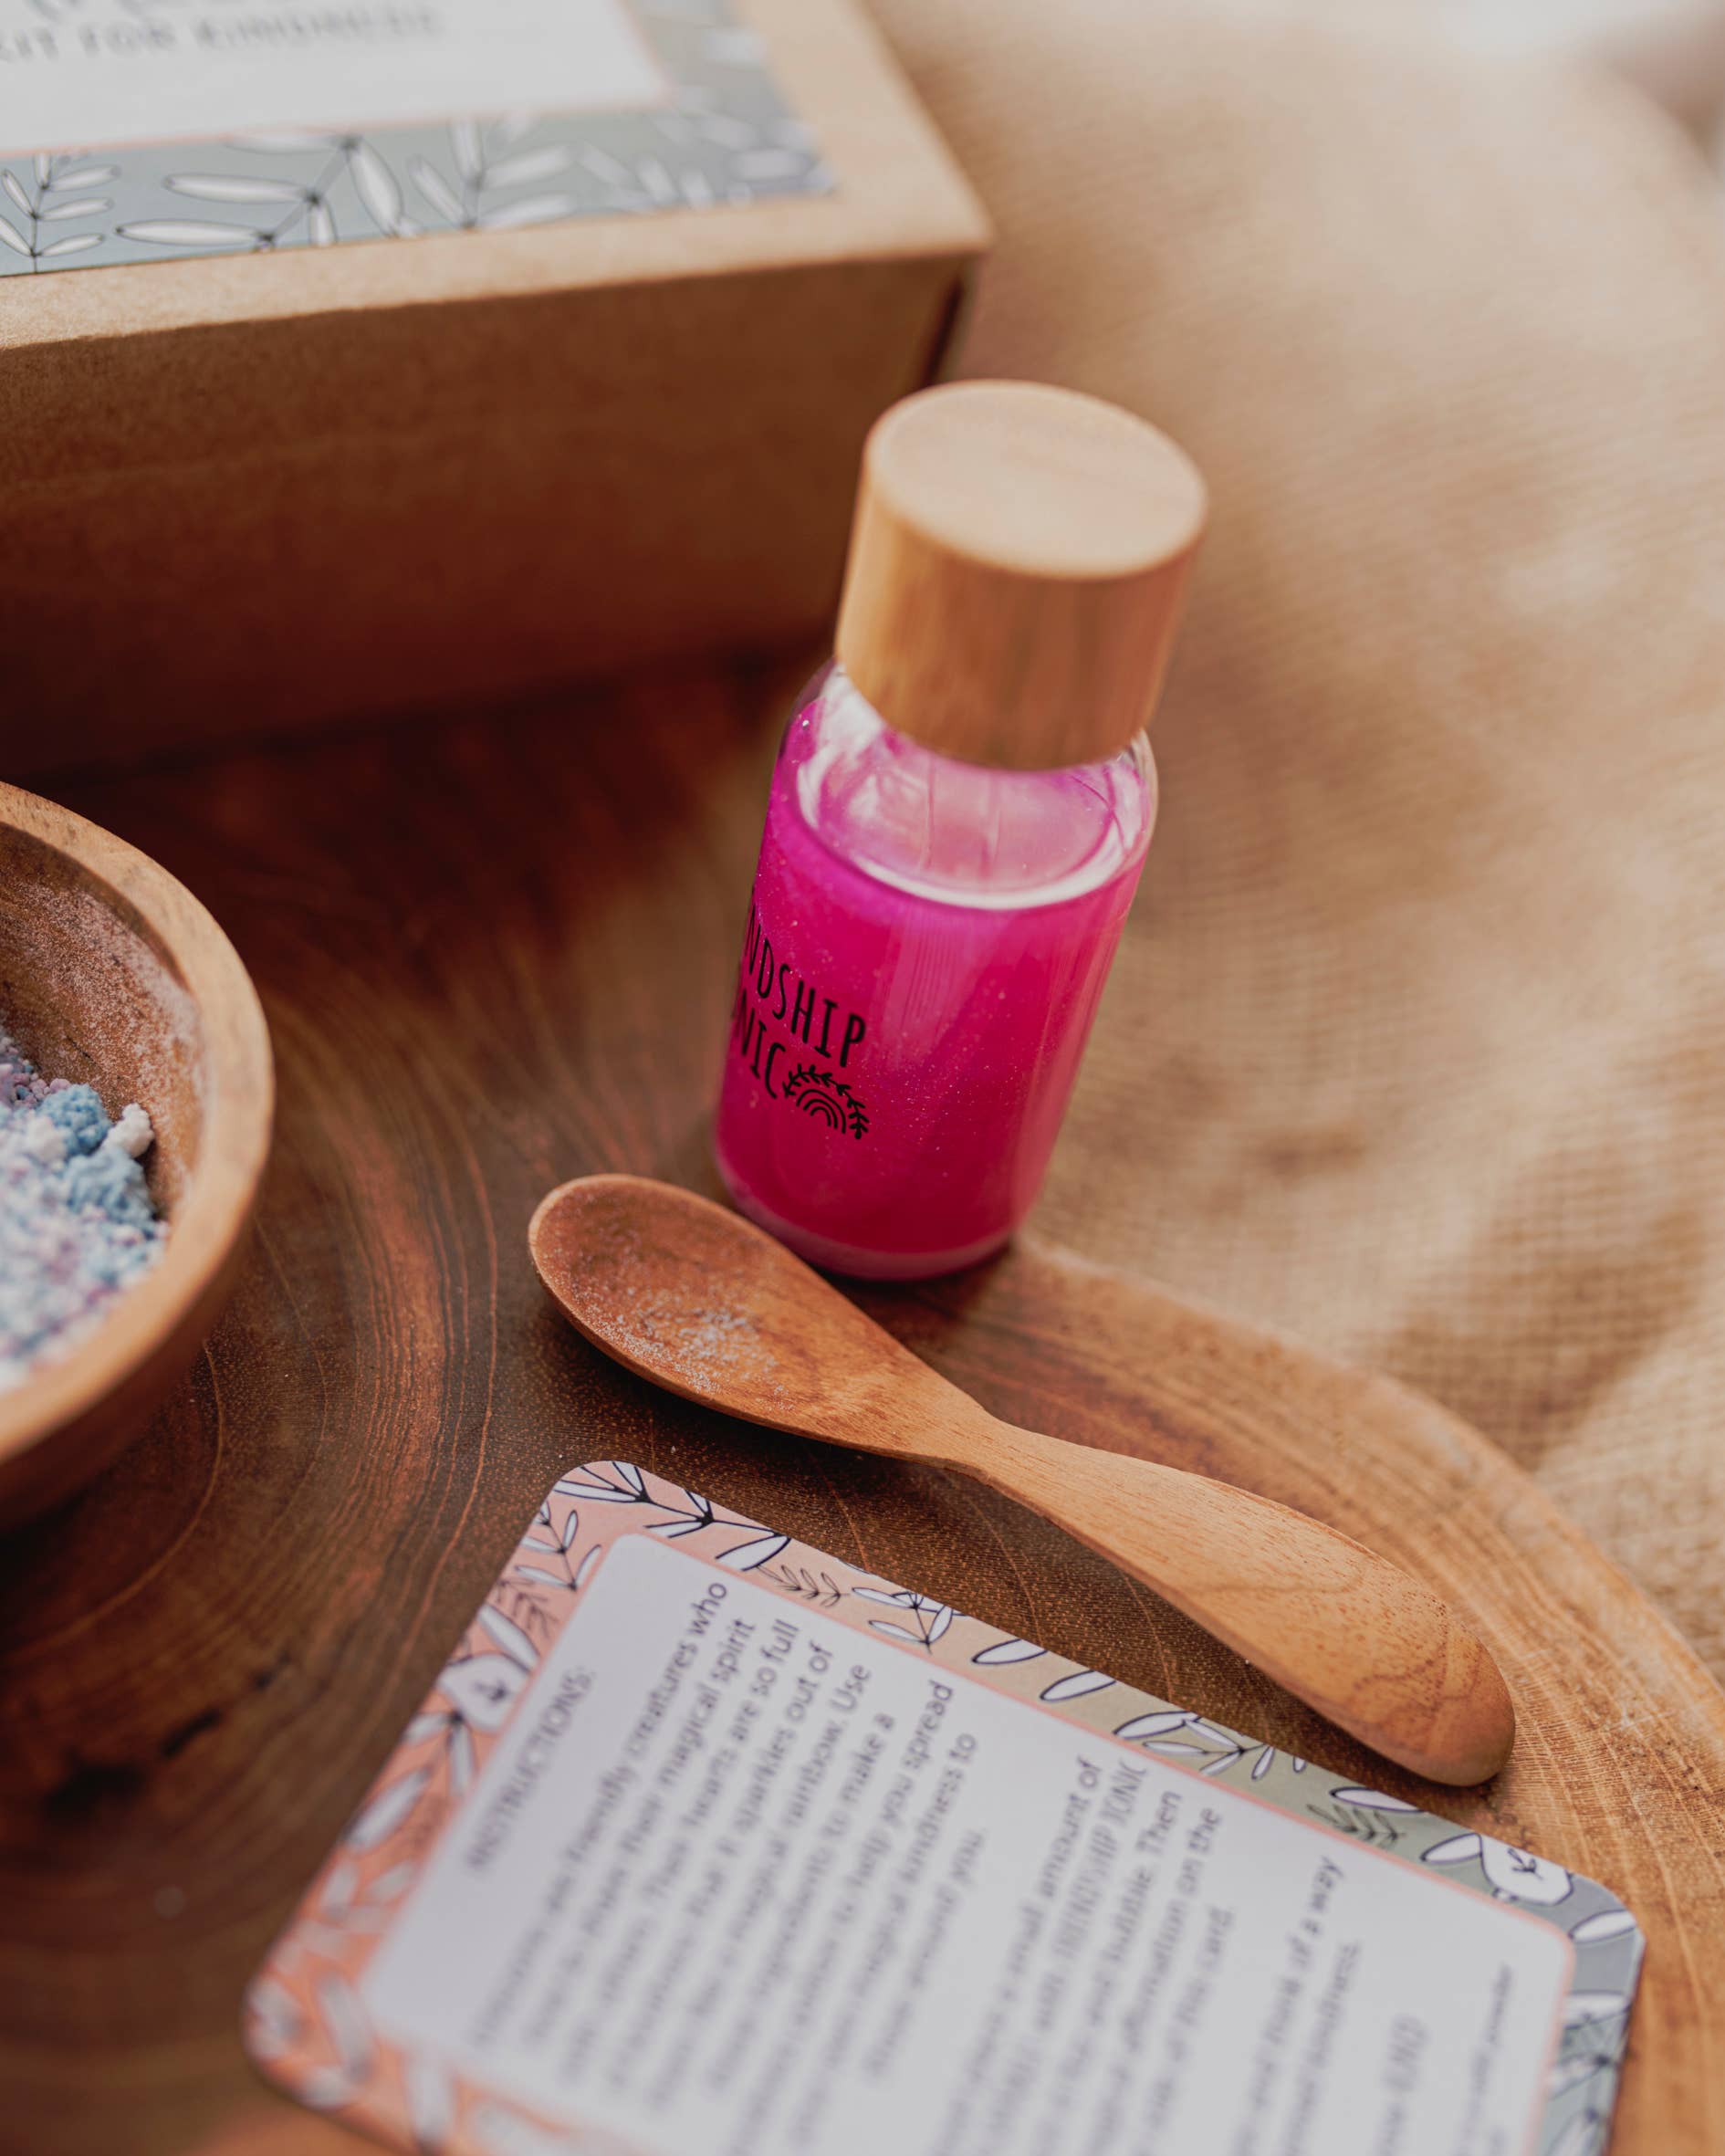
<point>696,1299</point>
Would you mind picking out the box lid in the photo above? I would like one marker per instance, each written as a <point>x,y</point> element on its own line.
<point>896,191</point>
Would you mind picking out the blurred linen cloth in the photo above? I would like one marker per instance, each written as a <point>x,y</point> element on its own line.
<point>1417,1042</point>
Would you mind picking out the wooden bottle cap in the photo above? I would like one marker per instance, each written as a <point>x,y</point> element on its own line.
<point>1016,568</point>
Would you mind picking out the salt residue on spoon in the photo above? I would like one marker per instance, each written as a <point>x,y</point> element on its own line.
<point>694,1349</point>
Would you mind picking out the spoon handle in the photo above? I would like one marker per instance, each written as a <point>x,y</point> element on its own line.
<point>1348,1632</point>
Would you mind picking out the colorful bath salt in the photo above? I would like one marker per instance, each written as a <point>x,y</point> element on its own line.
<point>78,1224</point>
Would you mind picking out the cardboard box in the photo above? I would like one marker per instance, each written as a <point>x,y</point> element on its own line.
<point>248,492</point>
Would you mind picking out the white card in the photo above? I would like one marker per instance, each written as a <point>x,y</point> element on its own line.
<point>766,1856</point>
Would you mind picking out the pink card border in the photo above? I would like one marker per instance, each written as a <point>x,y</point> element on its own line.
<point>305,2022</point>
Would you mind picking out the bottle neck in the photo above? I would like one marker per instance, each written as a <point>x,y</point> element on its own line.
<point>954,833</point>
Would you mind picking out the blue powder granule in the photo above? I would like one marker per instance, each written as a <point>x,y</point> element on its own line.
<point>76,1221</point>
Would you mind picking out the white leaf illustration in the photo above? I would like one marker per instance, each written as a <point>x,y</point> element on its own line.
<point>484,1688</point>
<point>939,1623</point>
<point>1170,1748</point>
<point>464,139</point>
<point>388,1885</point>
<point>729,133</point>
<point>584,1570</point>
<point>733,47</point>
<point>508,1636</point>
<point>654,178</point>
<point>668,1530</point>
<point>461,1758</point>
<point>422,1726</point>
<point>75,243</point>
<point>631,1474</point>
<point>328,1942</point>
<point>87,175</point>
<point>13,239</point>
<point>1215,1733</point>
<point>1076,1686</point>
<point>344,2017</point>
<point>597,1492</point>
<point>281,141</point>
<point>770,164</point>
<point>77,209</point>
<point>1518,1876</point>
<point>1584,2136</point>
<point>1262,1765</point>
<point>267,2043</point>
<point>533,1572</point>
<point>320,226</point>
<point>363,1920</point>
<point>9,181</point>
<point>339,1889</point>
<point>191,232</point>
<point>1153,1725</point>
<point>387,1810</point>
<point>431,2099</point>
<point>1605,1924</point>
<point>44,168</point>
<point>895,1631</point>
<point>1219,1763</point>
<point>893,1597</point>
<point>1458,1850</point>
<point>437,190</point>
<point>326,2088</point>
<point>572,1528</point>
<point>276,2022</point>
<point>605,166</point>
<point>376,185</point>
<point>761,1550</point>
<point>233,187</point>
<point>531,164</point>
<point>1009,1650</point>
<point>1569,2073</point>
<point>1371,1800</point>
<point>1582,2008</point>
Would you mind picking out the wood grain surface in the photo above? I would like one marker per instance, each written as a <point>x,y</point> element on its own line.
<point>494,955</point>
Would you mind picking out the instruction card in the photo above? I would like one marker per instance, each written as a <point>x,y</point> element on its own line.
<point>705,1844</point>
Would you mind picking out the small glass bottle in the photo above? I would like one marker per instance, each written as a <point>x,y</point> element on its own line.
<point>958,816</point>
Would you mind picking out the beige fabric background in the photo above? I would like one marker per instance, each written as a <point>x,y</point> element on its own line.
<point>1416,1045</point>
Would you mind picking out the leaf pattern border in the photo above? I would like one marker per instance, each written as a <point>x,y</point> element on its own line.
<point>727,138</point>
<point>306,2023</point>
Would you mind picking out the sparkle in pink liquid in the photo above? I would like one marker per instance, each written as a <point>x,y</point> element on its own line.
<point>927,946</point>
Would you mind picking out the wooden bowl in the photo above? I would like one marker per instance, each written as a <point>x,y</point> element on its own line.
<point>111,972</point>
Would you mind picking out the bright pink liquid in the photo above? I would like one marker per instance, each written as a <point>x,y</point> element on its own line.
<point>926,950</point>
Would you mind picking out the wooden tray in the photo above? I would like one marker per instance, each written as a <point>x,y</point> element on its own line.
<point>1619,1767</point>
<point>490,964</point>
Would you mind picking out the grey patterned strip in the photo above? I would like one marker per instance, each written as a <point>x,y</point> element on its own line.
<point>727,138</point>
